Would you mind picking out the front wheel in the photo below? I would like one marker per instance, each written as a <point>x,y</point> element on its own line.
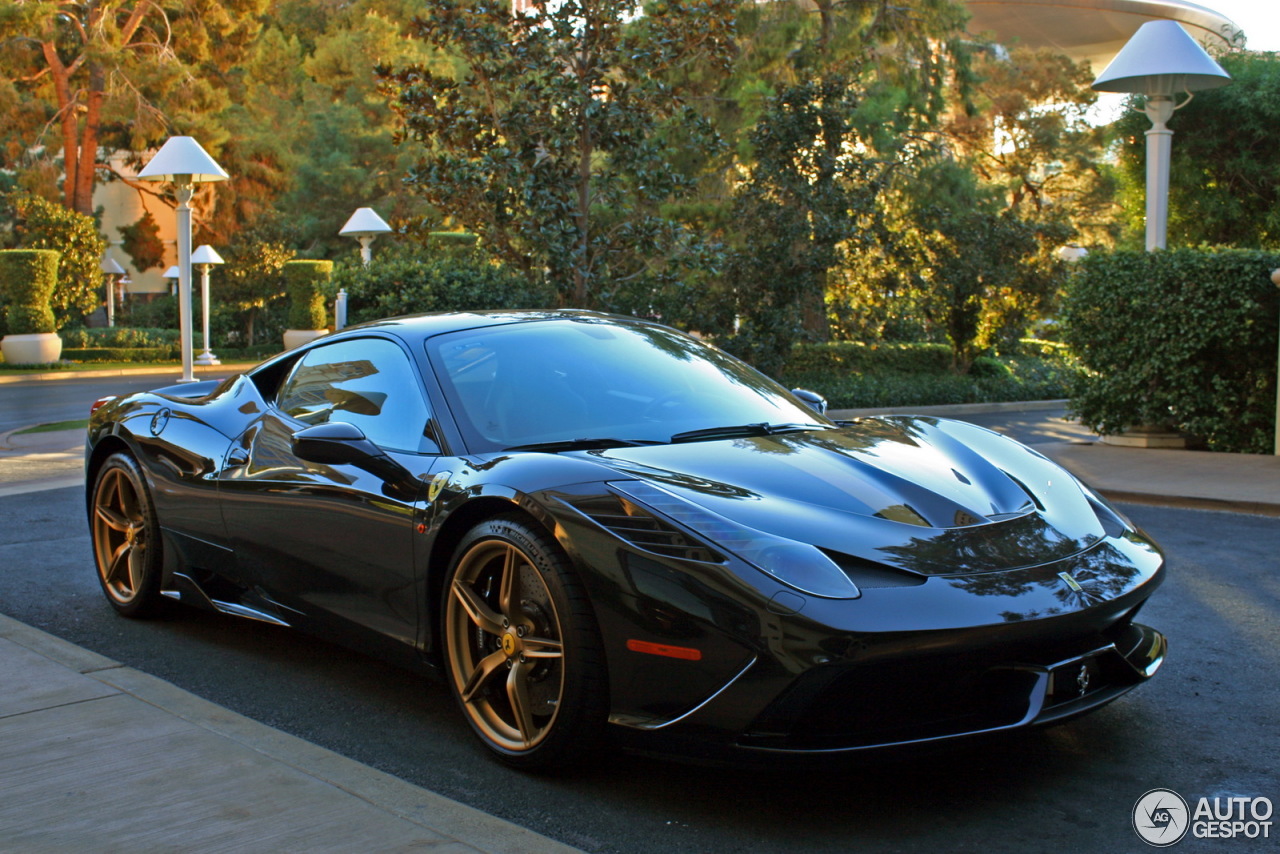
<point>521,647</point>
<point>126,538</point>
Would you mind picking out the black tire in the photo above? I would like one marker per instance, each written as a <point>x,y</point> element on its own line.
<point>521,648</point>
<point>126,538</point>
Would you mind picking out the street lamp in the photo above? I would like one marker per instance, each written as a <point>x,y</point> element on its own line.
<point>365,225</point>
<point>171,276</point>
<point>1275,280</point>
<point>205,257</point>
<point>1159,61</point>
<point>110,270</point>
<point>182,162</point>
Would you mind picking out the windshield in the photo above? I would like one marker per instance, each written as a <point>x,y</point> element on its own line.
<point>564,380</point>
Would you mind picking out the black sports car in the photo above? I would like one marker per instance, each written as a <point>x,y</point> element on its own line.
<point>587,520</point>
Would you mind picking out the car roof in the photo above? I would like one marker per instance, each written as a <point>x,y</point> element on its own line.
<point>417,326</point>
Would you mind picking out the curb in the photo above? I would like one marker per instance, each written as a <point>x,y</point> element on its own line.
<point>229,367</point>
<point>470,827</point>
<point>954,408</point>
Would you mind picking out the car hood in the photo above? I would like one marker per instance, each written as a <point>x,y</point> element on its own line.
<point>923,494</point>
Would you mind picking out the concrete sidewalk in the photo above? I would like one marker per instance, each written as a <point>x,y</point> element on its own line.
<point>100,757</point>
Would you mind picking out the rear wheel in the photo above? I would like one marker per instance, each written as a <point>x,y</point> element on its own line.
<point>521,646</point>
<point>126,538</point>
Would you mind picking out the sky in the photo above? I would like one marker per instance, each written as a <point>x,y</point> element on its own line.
<point>1260,20</point>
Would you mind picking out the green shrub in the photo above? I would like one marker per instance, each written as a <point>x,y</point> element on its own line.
<point>854,375</point>
<point>462,280</point>
<point>305,282</point>
<point>27,280</point>
<point>29,320</point>
<point>42,224</point>
<point>1184,339</point>
<point>119,336</point>
<point>847,356</point>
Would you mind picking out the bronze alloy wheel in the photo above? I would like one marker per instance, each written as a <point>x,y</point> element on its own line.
<point>125,544</point>
<point>521,658</point>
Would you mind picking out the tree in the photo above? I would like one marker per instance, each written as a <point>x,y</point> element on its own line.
<point>119,74</point>
<point>1224,185</point>
<point>970,268</point>
<point>551,141</point>
<point>1023,127</point>
<point>840,99</point>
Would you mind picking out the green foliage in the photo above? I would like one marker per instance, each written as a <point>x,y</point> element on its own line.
<point>1224,177</point>
<point>41,224</point>
<point>28,278</point>
<point>251,284</point>
<point>29,320</point>
<point>305,282</point>
<point>849,357</point>
<point>961,262</point>
<point>1184,339</point>
<point>1025,131</point>
<point>403,282</point>
<point>142,243</point>
<point>112,76</point>
<point>860,376</point>
<point>119,336</point>
<point>552,138</point>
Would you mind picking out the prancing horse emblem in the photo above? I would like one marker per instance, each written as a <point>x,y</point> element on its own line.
<point>1082,679</point>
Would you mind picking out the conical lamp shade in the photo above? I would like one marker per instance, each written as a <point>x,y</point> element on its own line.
<point>364,222</point>
<point>206,254</point>
<point>1161,59</point>
<point>182,155</point>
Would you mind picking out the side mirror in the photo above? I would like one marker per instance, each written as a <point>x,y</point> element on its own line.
<point>338,442</point>
<point>334,442</point>
<point>812,399</point>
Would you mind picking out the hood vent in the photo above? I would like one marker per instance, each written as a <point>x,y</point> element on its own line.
<point>636,526</point>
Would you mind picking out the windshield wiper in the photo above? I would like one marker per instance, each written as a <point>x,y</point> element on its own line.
<point>733,431</point>
<point>581,444</point>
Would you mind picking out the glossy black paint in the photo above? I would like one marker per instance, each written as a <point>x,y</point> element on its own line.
<point>986,577</point>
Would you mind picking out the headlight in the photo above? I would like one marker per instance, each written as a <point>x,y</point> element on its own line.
<point>799,565</point>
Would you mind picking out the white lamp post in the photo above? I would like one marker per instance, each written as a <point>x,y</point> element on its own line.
<point>171,276</point>
<point>1275,279</point>
<point>365,225</point>
<point>182,162</point>
<point>205,257</point>
<point>110,270</point>
<point>1160,61</point>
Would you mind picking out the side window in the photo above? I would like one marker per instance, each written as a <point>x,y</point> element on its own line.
<point>367,382</point>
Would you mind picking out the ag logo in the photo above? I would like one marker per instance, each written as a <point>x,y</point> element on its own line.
<point>1161,818</point>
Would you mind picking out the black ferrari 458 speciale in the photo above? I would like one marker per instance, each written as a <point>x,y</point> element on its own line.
<point>594,523</point>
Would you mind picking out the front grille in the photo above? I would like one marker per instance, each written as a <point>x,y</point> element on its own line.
<point>847,707</point>
<point>635,525</point>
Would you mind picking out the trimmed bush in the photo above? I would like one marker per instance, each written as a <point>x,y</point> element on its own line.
<point>120,336</point>
<point>1183,339</point>
<point>305,283</point>
<point>27,280</point>
<point>854,375</point>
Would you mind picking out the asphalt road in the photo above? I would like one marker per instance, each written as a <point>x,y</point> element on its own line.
<point>26,403</point>
<point>1204,726</point>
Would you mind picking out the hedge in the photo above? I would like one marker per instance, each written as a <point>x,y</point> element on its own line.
<point>1183,339</point>
<point>852,375</point>
<point>27,280</point>
<point>120,336</point>
<point>305,281</point>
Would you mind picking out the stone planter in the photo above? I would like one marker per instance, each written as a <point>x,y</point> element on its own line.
<point>40,348</point>
<point>298,337</point>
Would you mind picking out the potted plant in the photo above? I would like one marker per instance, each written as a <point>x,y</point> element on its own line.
<point>304,281</point>
<point>27,278</point>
